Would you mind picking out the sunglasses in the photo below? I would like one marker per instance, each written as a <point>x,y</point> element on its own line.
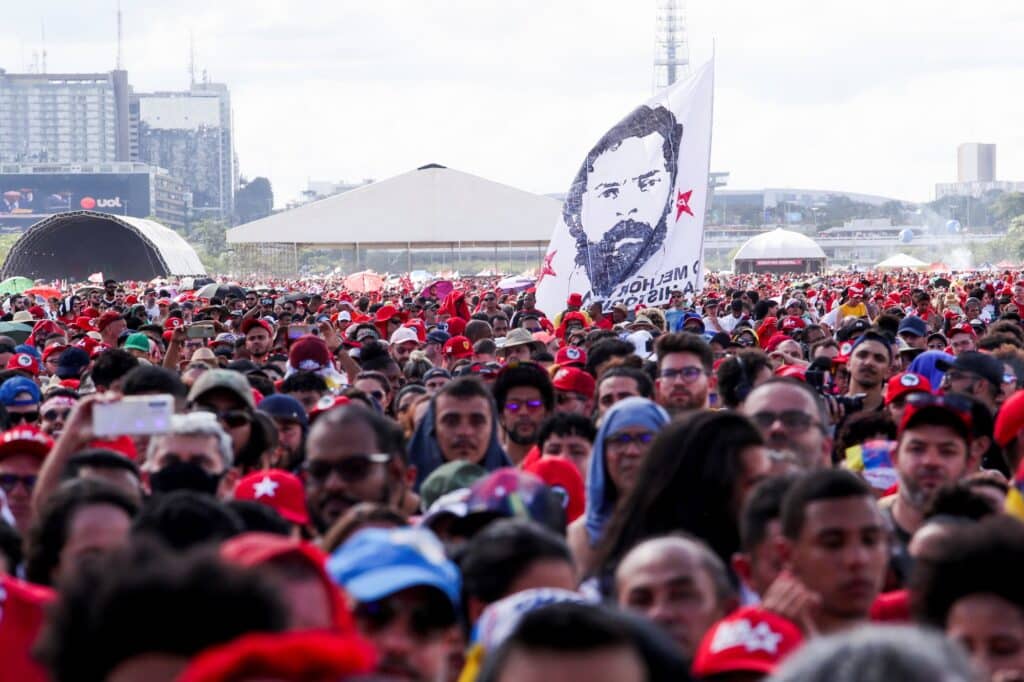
<point>792,420</point>
<point>425,619</point>
<point>623,439</point>
<point>54,415</point>
<point>230,418</point>
<point>529,406</point>
<point>23,417</point>
<point>8,482</point>
<point>352,469</point>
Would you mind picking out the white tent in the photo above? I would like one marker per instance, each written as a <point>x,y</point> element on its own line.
<point>432,206</point>
<point>901,261</point>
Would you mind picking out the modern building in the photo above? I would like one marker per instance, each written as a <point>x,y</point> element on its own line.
<point>64,118</point>
<point>779,251</point>
<point>191,134</point>
<point>31,192</point>
<point>976,162</point>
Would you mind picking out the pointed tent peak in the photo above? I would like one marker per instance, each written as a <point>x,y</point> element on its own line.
<point>431,165</point>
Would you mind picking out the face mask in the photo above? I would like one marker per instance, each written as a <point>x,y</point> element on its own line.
<point>184,476</point>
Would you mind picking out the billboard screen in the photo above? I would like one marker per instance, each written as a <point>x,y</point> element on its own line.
<point>37,195</point>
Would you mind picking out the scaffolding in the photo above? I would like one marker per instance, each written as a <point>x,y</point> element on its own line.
<point>671,46</point>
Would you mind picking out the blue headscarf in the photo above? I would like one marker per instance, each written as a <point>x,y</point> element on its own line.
<point>924,364</point>
<point>425,453</point>
<point>601,492</point>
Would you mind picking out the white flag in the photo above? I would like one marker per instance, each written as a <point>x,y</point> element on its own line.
<point>632,226</point>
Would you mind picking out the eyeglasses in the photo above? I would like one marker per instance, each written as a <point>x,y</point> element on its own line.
<point>54,415</point>
<point>230,418</point>
<point>957,375</point>
<point>687,373</point>
<point>352,468</point>
<point>10,481</point>
<point>425,618</point>
<point>529,405</point>
<point>20,417</point>
<point>792,420</point>
<point>622,440</point>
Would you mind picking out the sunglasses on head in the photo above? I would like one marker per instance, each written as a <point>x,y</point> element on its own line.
<point>352,468</point>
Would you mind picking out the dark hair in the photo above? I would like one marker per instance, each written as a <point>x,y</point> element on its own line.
<point>374,356</point>
<point>387,432</point>
<point>259,518</point>
<point>105,613</point>
<point>862,426</point>
<point>415,368</point>
<point>763,505</point>
<point>10,545</point>
<point>261,382</point>
<point>375,376</point>
<point>684,342</point>
<point>564,627</point>
<point>183,519</point>
<point>736,375</point>
<point>888,324</point>
<point>357,517</point>
<point>463,388</point>
<point>523,374</point>
<point>680,486</point>
<point>816,486</point>
<point>304,381</point>
<point>149,379</point>
<point>49,533</point>
<point>644,384</point>
<point>960,501</point>
<point>499,554</point>
<point>99,458</point>
<point>604,350</point>
<point>564,424</point>
<point>111,365</point>
<point>485,346</point>
<point>984,557</point>
<point>477,329</point>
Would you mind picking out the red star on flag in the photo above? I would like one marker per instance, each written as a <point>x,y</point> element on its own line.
<point>546,268</point>
<point>683,203</point>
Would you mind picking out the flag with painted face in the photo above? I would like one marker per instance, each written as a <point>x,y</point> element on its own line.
<point>632,225</point>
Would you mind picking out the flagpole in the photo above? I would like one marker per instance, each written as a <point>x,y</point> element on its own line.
<point>699,284</point>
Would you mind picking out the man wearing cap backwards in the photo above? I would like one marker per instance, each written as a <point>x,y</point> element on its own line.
<point>353,455</point>
<point>405,598</point>
<point>259,337</point>
<point>934,449</point>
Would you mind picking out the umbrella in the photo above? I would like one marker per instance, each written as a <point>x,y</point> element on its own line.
<point>86,290</point>
<point>220,291</point>
<point>45,292</point>
<point>364,282</point>
<point>515,283</point>
<point>17,331</point>
<point>15,285</point>
<point>441,287</point>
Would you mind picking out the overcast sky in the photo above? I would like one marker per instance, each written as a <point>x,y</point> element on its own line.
<point>871,96</point>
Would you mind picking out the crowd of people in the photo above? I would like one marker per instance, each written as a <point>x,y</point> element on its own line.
<point>784,478</point>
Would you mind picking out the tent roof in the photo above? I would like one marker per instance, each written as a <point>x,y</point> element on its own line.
<point>901,260</point>
<point>425,207</point>
<point>778,244</point>
<point>77,243</point>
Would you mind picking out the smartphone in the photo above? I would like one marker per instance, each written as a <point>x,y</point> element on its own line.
<point>201,331</point>
<point>138,415</point>
<point>298,330</point>
<point>266,302</point>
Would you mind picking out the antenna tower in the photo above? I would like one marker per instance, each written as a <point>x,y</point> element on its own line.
<point>671,47</point>
<point>118,35</point>
<point>191,59</point>
<point>42,28</point>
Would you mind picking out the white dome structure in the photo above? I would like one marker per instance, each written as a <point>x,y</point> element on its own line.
<point>779,251</point>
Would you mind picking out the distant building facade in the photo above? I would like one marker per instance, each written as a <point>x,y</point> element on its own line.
<point>976,162</point>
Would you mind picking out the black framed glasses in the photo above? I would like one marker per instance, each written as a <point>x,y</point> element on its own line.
<point>351,468</point>
<point>685,373</point>
<point>230,418</point>
<point>23,417</point>
<point>791,420</point>
<point>426,618</point>
<point>8,482</point>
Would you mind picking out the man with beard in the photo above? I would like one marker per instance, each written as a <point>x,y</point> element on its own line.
<point>618,206</point>
<point>933,450</point>
<point>870,361</point>
<point>353,455</point>
<point>259,336</point>
<point>684,363</point>
<point>525,398</point>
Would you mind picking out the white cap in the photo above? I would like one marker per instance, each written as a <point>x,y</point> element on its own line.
<point>404,335</point>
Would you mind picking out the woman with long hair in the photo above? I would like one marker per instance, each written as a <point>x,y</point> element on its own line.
<point>694,479</point>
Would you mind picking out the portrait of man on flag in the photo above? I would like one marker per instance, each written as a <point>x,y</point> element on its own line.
<point>619,204</point>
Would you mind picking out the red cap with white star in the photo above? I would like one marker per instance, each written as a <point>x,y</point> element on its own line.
<point>277,489</point>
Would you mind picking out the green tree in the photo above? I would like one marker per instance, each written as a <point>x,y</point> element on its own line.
<point>1007,206</point>
<point>254,200</point>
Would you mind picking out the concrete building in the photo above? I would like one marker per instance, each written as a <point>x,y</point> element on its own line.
<point>976,162</point>
<point>191,134</point>
<point>64,118</point>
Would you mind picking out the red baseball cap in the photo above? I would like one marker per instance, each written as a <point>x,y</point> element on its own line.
<point>24,362</point>
<point>565,480</point>
<point>85,323</point>
<point>25,440</point>
<point>277,489</point>
<point>750,639</point>
<point>907,382</point>
<point>792,322</point>
<point>250,322</point>
<point>855,290</point>
<point>575,380</point>
<point>55,349</point>
<point>571,356</point>
<point>1010,419</point>
<point>172,323</point>
<point>964,328</point>
<point>574,300</point>
<point>458,347</point>
<point>327,403</point>
<point>107,318</point>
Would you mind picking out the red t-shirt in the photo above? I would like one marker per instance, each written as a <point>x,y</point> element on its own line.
<point>21,618</point>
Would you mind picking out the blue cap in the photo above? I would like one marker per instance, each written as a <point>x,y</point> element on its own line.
<point>71,363</point>
<point>31,350</point>
<point>283,406</point>
<point>687,317</point>
<point>376,563</point>
<point>15,386</point>
<point>437,336</point>
<point>913,324</point>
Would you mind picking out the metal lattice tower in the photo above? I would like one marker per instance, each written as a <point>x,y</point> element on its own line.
<point>671,47</point>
